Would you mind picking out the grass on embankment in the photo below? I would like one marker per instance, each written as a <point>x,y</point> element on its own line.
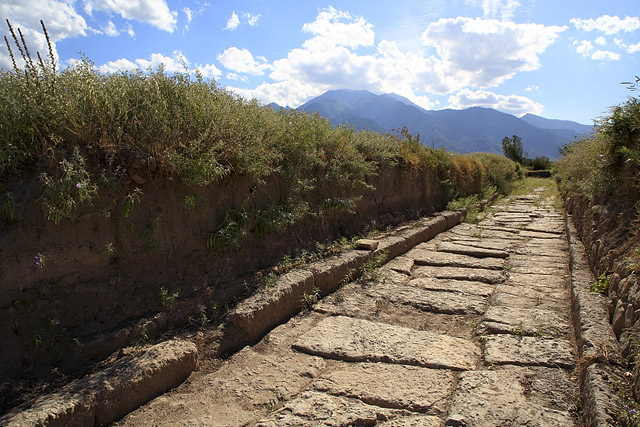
<point>79,131</point>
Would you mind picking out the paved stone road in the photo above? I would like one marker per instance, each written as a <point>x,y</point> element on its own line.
<point>471,329</point>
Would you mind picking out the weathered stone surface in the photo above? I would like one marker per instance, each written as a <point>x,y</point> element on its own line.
<point>401,264</point>
<point>434,301</point>
<point>444,285</point>
<point>480,249</point>
<point>519,297</point>
<point>391,386</point>
<point>367,244</point>
<point>481,399</point>
<point>447,259</point>
<point>601,404</point>
<point>528,351</point>
<point>524,321</point>
<point>108,395</point>
<point>358,340</point>
<point>458,273</point>
<point>313,408</point>
<point>539,282</point>
<point>256,315</point>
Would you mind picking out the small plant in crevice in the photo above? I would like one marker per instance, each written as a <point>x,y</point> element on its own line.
<point>231,232</point>
<point>308,300</point>
<point>8,208</point>
<point>167,299</point>
<point>68,189</point>
<point>131,200</point>
<point>39,260</point>
<point>601,285</point>
<point>190,201</point>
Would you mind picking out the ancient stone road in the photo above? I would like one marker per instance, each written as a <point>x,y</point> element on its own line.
<point>471,328</point>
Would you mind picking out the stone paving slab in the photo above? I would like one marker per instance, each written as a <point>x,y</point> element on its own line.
<point>464,286</point>
<point>433,301</point>
<point>446,259</point>
<point>540,282</point>
<point>458,273</point>
<point>481,398</point>
<point>523,268</point>
<point>313,408</point>
<point>480,248</point>
<point>359,340</point>
<point>528,351</point>
<point>524,321</point>
<point>401,264</point>
<point>391,386</point>
<point>559,261</point>
<point>519,297</point>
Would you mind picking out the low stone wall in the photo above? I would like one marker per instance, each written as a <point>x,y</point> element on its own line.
<point>607,250</point>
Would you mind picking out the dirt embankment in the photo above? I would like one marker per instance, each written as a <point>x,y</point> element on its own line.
<point>77,291</point>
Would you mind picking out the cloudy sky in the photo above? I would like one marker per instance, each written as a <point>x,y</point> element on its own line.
<point>560,59</point>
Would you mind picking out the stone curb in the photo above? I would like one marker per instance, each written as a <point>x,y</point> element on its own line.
<point>108,395</point>
<point>261,312</point>
<point>597,344</point>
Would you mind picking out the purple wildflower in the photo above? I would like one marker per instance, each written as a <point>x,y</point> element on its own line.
<point>78,186</point>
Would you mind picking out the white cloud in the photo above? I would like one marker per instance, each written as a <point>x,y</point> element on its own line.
<point>232,22</point>
<point>531,87</point>
<point>601,41</point>
<point>465,53</point>
<point>59,16</point>
<point>176,63</point>
<point>329,30</point>
<point>605,55</point>
<point>242,61</point>
<point>130,31</point>
<point>153,12</point>
<point>607,24</point>
<point>585,47</point>
<point>483,53</point>
<point>121,64</point>
<point>633,48</point>
<point>237,77</point>
<point>504,9</point>
<point>512,104</point>
<point>250,19</point>
<point>190,14</point>
<point>110,29</point>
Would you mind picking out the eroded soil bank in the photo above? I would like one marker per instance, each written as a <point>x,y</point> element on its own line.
<point>75,292</point>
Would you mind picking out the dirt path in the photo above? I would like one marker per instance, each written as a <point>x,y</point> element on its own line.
<point>471,328</point>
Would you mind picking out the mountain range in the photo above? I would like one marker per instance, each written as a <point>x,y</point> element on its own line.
<point>464,131</point>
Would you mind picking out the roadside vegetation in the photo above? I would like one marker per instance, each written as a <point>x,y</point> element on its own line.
<point>79,132</point>
<point>605,167</point>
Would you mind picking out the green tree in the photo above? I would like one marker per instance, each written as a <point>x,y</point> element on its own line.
<point>512,148</point>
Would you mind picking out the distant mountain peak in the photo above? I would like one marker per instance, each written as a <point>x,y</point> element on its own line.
<point>469,130</point>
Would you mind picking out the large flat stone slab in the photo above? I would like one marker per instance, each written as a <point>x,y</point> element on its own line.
<point>479,248</point>
<point>433,301</point>
<point>520,297</point>
<point>319,409</point>
<point>391,386</point>
<point>528,351</point>
<point>446,259</point>
<point>512,397</point>
<point>524,321</point>
<point>358,340</point>
<point>539,282</point>
<point>448,285</point>
<point>459,273</point>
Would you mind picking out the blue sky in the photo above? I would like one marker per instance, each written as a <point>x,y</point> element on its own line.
<point>558,59</point>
